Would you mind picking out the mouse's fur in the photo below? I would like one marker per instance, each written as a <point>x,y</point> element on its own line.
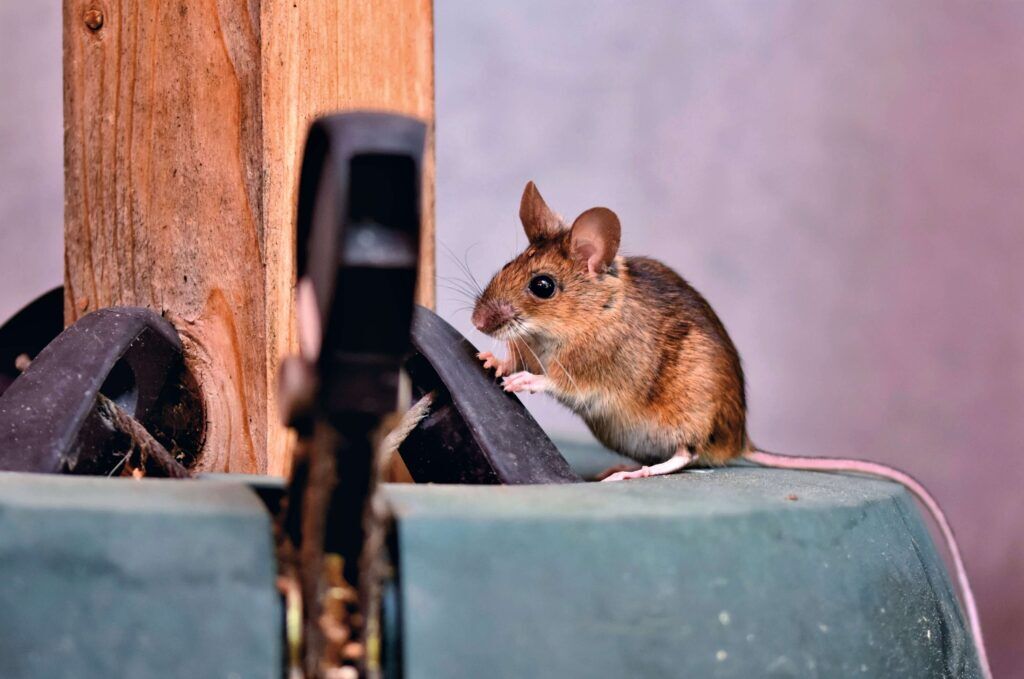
<point>626,342</point>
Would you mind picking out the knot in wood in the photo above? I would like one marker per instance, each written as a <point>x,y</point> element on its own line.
<point>93,19</point>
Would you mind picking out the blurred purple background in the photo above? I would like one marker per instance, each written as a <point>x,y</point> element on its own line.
<point>844,181</point>
<point>31,153</point>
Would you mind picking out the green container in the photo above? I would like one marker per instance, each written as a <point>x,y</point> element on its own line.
<point>104,578</point>
<point>738,572</point>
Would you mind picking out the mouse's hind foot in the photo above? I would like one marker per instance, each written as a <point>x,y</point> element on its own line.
<point>682,459</point>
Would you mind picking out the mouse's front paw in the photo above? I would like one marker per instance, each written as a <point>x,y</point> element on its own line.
<point>491,361</point>
<point>524,381</point>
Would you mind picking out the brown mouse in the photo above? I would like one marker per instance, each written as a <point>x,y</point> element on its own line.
<point>640,355</point>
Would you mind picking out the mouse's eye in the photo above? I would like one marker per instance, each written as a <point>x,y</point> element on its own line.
<point>542,286</point>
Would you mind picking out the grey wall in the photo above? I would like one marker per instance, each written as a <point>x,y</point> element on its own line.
<point>31,152</point>
<point>842,180</point>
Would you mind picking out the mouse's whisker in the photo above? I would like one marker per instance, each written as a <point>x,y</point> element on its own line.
<point>515,349</point>
<point>462,295</point>
<point>464,267</point>
<point>455,286</point>
<point>512,351</point>
<point>567,374</point>
<point>522,355</point>
<point>455,279</point>
<point>520,330</point>
<point>543,368</point>
<point>452,256</point>
<point>468,270</point>
<point>460,284</point>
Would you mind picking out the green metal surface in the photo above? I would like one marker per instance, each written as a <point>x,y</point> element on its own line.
<point>124,578</point>
<point>738,572</point>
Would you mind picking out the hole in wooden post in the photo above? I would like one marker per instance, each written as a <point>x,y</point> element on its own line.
<point>120,387</point>
<point>179,422</point>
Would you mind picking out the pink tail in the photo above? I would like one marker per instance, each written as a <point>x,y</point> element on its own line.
<point>829,464</point>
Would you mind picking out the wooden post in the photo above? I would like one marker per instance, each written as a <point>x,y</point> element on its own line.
<point>184,126</point>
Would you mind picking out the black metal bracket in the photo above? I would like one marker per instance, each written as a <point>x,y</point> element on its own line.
<point>358,249</point>
<point>28,331</point>
<point>358,243</point>
<point>49,420</point>
<point>475,432</point>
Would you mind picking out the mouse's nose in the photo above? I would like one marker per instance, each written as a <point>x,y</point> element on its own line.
<point>480,318</point>
<point>489,317</point>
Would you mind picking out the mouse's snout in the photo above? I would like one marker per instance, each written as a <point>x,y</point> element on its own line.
<point>489,316</point>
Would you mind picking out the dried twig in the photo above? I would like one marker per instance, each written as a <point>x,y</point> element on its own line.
<point>152,456</point>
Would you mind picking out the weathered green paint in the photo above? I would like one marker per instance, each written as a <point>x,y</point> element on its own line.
<point>105,578</point>
<point>715,574</point>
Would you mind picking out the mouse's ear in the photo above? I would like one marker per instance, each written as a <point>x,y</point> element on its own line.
<point>539,222</point>
<point>595,238</point>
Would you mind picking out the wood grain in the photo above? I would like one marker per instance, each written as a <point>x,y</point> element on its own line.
<point>382,57</point>
<point>184,125</point>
